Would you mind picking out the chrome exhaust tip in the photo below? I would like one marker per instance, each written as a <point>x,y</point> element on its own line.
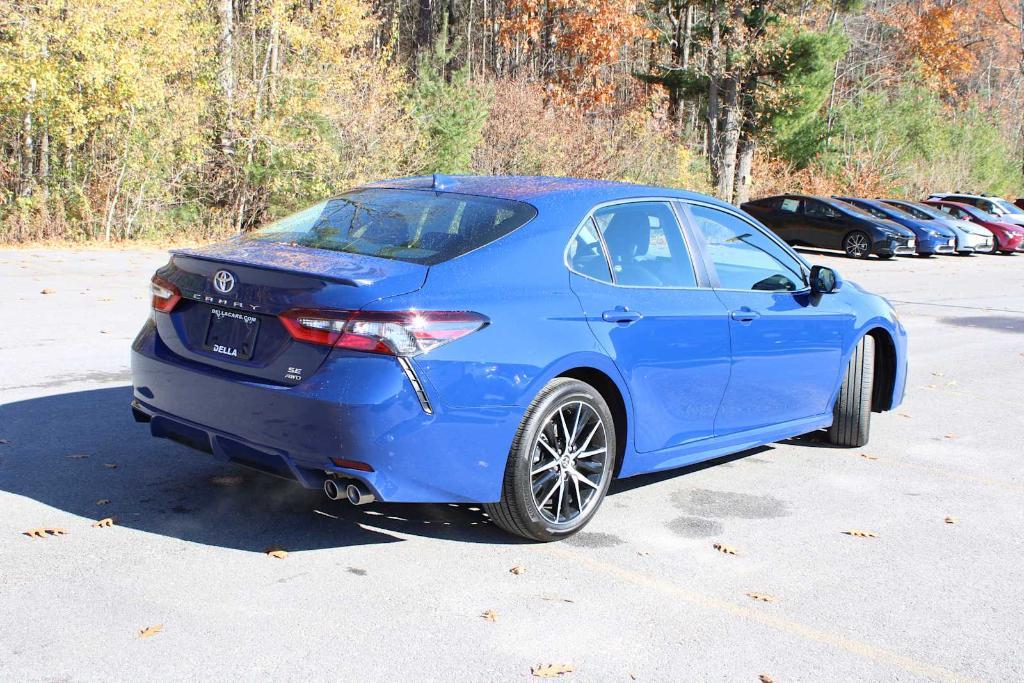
<point>358,494</point>
<point>332,490</point>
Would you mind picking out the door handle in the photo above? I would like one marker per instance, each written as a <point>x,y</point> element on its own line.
<point>621,314</point>
<point>745,315</point>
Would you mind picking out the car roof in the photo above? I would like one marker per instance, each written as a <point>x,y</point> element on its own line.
<point>532,189</point>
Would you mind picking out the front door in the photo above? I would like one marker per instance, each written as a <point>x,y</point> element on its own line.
<point>668,336</point>
<point>787,343</point>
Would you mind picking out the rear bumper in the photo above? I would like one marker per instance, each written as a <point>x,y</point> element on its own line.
<point>360,407</point>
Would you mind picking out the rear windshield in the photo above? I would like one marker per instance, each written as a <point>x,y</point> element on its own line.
<point>419,226</point>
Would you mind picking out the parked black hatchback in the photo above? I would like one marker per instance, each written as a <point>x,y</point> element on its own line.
<point>826,223</point>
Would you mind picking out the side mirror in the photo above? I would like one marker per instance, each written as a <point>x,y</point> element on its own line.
<point>824,280</point>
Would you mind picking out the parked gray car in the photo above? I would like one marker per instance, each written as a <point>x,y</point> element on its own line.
<point>971,238</point>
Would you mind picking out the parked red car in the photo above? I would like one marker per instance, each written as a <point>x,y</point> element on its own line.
<point>1009,238</point>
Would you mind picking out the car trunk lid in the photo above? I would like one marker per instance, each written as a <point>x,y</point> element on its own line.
<point>232,294</point>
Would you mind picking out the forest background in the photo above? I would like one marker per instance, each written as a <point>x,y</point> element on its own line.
<point>194,119</point>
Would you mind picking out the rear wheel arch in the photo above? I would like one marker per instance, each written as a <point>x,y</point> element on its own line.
<point>885,370</point>
<point>610,392</point>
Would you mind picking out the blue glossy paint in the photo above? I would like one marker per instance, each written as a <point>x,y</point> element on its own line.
<point>931,238</point>
<point>695,383</point>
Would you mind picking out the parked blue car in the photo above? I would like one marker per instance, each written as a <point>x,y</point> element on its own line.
<point>931,238</point>
<point>516,342</point>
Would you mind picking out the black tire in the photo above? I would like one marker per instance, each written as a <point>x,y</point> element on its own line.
<point>857,245</point>
<point>851,415</point>
<point>884,257</point>
<point>519,512</point>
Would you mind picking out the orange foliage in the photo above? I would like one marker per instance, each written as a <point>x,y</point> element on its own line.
<point>935,37</point>
<point>857,176</point>
<point>585,38</point>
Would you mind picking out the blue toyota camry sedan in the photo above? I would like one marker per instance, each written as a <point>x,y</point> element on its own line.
<point>512,341</point>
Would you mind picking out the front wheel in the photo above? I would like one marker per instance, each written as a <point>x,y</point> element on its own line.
<point>857,245</point>
<point>851,415</point>
<point>560,463</point>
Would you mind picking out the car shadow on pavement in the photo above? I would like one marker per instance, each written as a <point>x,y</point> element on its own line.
<point>160,487</point>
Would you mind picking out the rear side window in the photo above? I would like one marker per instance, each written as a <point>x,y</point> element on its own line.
<point>586,254</point>
<point>419,226</point>
<point>645,245</point>
<point>790,205</point>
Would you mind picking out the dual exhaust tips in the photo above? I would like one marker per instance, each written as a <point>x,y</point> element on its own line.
<point>354,492</point>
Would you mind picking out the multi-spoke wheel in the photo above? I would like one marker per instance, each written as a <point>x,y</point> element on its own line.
<point>560,463</point>
<point>857,245</point>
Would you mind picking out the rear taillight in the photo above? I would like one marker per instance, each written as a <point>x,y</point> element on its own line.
<point>396,333</point>
<point>165,294</point>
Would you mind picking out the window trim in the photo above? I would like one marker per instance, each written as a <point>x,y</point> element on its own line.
<point>700,277</point>
<point>716,283</point>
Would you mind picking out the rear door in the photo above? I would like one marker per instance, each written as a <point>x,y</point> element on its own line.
<point>667,334</point>
<point>233,293</point>
<point>786,342</point>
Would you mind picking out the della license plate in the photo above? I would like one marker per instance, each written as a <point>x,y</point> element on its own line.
<point>231,333</point>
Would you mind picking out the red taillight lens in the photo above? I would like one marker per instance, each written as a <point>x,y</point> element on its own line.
<point>165,294</point>
<point>397,333</point>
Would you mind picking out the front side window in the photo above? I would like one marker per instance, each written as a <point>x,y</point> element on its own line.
<point>820,210</point>
<point>645,245</point>
<point>420,226</point>
<point>744,257</point>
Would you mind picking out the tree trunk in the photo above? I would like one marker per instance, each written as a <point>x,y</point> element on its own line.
<point>424,26</point>
<point>714,73</point>
<point>744,167</point>
<point>226,72</point>
<point>730,139</point>
<point>28,155</point>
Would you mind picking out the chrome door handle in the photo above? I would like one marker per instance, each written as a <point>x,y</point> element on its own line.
<point>745,315</point>
<point>621,314</point>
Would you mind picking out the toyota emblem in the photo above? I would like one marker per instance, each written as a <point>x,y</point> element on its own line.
<point>223,281</point>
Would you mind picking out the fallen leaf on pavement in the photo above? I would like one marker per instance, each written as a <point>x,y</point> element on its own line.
<point>761,597</point>
<point>765,678</point>
<point>151,631</point>
<point>105,522</point>
<point>103,501</point>
<point>904,415</point>
<point>558,600</point>
<point>951,436</point>
<point>951,520</point>
<point>47,290</point>
<point>490,615</point>
<point>868,457</point>
<point>861,534</point>
<point>44,532</point>
<point>725,549</point>
<point>518,569</point>
<point>551,670</point>
<point>276,552</point>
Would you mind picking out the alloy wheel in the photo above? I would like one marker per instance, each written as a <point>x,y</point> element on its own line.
<point>857,245</point>
<point>570,456</point>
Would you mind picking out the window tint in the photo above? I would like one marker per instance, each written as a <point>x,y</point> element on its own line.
<point>877,213</point>
<point>916,211</point>
<point>586,254</point>
<point>819,210</point>
<point>645,245</point>
<point>420,226</point>
<point>744,257</point>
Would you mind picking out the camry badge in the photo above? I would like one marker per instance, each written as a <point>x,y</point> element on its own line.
<point>223,281</point>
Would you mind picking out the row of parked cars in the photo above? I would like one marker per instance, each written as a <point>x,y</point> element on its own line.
<point>945,223</point>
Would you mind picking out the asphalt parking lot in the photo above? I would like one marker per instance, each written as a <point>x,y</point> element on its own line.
<point>399,592</point>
